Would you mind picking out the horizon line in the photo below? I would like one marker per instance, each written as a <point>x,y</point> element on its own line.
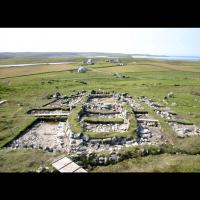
<point>146,54</point>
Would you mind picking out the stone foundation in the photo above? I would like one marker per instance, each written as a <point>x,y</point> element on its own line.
<point>182,130</point>
<point>59,137</point>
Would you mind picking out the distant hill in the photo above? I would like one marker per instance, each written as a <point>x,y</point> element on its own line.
<point>6,55</point>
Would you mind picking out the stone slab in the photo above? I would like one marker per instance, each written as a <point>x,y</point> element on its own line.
<point>81,170</point>
<point>70,168</point>
<point>62,114</point>
<point>1,102</point>
<point>61,163</point>
<point>147,120</point>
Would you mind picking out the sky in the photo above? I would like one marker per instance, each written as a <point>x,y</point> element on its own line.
<point>156,41</point>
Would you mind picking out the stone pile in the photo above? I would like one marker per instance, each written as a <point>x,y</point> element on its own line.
<point>102,106</point>
<point>65,100</point>
<point>106,127</point>
<point>114,156</point>
<point>181,129</point>
<point>135,105</point>
<point>163,111</point>
<point>166,115</point>
<point>73,101</point>
<point>96,159</point>
<point>84,145</point>
<point>56,104</point>
<point>109,116</point>
<point>149,130</point>
<point>48,112</point>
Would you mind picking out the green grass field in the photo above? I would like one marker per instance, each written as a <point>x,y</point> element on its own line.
<point>154,79</point>
<point>156,163</point>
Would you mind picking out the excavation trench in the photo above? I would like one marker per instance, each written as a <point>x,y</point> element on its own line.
<point>49,112</point>
<point>46,134</point>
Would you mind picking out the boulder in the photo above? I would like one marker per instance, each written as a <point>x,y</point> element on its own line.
<point>93,92</point>
<point>65,97</point>
<point>145,136</point>
<point>101,160</point>
<point>129,142</point>
<point>85,138</point>
<point>72,141</point>
<point>188,130</point>
<point>46,148</point>
<point>138,115</point>
<point>77,135</point>
<point>173,104</point>
<point>135,144</point>
<point>114,140</point>
<point>94,161</point>
<point>105,160</point>
<point>171,94</point>
<point>60,135</point>
<point>129,138</point>
<point>122,141</point>
<point>107,141</point>
<point>144,151</point>
<point>180,133</point>
<point>79,162</point>
<point>114,157</point>
<point>50,149</point>
<point>95,141</point>
<point>79,142</point>
<point>78,154</point>
<point>143,130</point>
<point>56,95</point>
<point>82,148</point>
<point>42,169</point>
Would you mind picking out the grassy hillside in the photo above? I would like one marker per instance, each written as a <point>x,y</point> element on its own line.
<point>154,79</point>
<point>156,163</point>
<point>24,160</point>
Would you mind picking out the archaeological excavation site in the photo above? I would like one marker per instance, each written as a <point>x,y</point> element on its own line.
<point>94,127</point>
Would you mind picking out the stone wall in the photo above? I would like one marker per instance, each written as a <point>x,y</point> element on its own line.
<point>182,129</point>
<point>95,159</point>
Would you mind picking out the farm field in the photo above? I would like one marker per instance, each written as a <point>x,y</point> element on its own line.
<point>29,70</point>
